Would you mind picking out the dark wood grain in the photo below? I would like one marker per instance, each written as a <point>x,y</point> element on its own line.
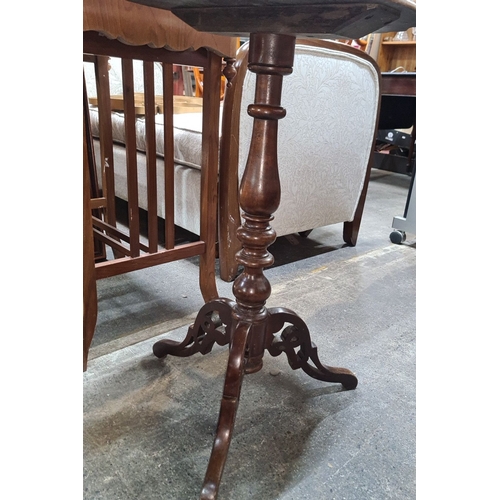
<point>151,170</point>
<point>404,84</point>
<point>89,277</point>
<point>139,25</point>
<point>129,252</point>
<point>126,265</point>
<point>168,156</point>
<point>246,324</point>
<point>318,18</point>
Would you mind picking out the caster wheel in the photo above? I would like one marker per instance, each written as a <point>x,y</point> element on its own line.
<point>398,237</point>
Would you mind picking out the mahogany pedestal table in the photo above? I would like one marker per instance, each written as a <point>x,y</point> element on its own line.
<point>245,323</point>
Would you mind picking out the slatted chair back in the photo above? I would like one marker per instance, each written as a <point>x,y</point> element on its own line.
<point>126,246</point>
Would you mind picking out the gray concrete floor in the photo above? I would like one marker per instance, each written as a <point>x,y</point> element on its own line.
<point>149,423</point>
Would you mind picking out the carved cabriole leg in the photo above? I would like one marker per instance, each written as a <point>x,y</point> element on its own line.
<point>297,336</point>
<point>227,414</point>
<point>212,325</point>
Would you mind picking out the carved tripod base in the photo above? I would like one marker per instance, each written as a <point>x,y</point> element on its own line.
<point>245,324</point>
<point>280,331</point>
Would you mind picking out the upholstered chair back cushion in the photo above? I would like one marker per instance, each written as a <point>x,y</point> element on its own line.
<point>325,140</point>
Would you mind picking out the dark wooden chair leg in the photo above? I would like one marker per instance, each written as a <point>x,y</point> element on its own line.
<point>209,172</point>
<point>229,209</point>
<point>89,277</point>
<point>351,229</point>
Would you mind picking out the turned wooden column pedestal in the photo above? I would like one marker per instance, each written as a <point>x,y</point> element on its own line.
<point>245,323</point>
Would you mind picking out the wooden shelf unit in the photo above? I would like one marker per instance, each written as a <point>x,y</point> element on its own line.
<point>391,54</point>
<point>406,42</point>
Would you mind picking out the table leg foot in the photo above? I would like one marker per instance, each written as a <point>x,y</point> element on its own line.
<point>297,335</point>
<point>210,327</point>
<point>227,414</point>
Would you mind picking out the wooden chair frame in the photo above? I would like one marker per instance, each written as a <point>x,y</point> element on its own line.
<point>229,203</point>
<point>132,254</point>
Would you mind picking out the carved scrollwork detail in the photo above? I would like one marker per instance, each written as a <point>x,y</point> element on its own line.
<point>295,341</point>
<point>212,325</point>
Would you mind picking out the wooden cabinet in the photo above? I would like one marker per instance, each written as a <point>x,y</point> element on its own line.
<point>392,54</point>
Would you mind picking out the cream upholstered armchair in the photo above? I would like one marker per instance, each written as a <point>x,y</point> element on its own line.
<point>324,147</point>
<point>325,143</point>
